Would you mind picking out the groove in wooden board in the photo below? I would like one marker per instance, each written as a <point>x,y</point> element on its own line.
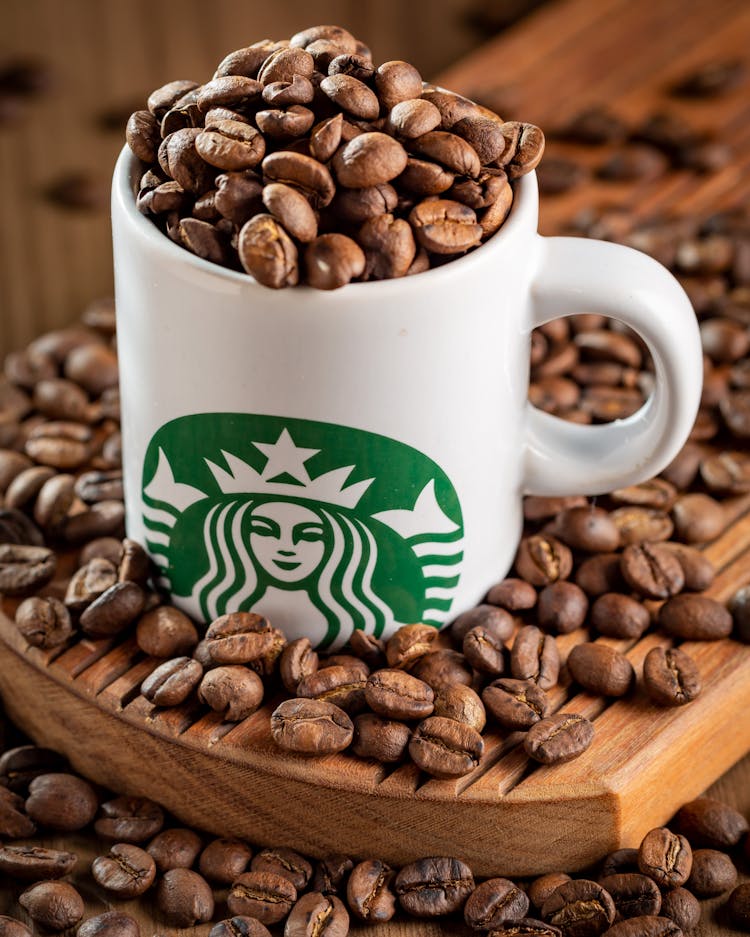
<point>115,664</point>
<point>172,721</point>
<point>730,578</point>
<point>121,691</point>
<point>76,659</point>
<point>208,730</point>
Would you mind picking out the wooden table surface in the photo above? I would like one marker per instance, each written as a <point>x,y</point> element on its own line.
<point>569,54</point>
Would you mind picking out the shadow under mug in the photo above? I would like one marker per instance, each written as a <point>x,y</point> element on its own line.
<point>357,458</point>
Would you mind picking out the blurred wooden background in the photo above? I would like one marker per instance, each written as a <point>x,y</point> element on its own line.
<point>94,61</point>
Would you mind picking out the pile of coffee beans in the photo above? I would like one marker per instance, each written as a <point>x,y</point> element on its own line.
<point>114,849</point>
<point>302,161</point>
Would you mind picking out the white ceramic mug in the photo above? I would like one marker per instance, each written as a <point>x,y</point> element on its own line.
<point>356,458</point>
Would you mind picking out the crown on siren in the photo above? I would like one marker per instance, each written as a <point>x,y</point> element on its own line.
<point>285,474</point>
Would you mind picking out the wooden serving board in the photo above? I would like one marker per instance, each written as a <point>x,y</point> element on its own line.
<point>509,816</point>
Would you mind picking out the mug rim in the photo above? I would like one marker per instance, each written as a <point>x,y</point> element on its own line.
<point>525,202</point>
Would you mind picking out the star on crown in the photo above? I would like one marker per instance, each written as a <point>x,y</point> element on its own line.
<point>285,474</point>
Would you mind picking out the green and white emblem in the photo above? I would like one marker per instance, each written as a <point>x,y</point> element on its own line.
<point>322,528</point>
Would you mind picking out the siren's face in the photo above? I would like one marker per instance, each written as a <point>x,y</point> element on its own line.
<point>287,540</point>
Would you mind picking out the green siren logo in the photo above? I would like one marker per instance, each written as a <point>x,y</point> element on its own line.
<point>322,528</point>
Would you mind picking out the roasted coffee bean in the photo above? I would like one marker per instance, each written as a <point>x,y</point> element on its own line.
<point>317,914</point>
<point>434,886</point>
<point>710,80</point>
<point>495,902</point>
<point>524,147</point>
<point>94,367</point>
<point>637,161</point>
<point>712,873</point>
<point>24,569</point>
<point>461,703</point>
<point>698,517</point>
<point>298,660</point>
<point>14,824</point>
<point>172,682</point>
<point>580,908</point>
<point>735,410</point>
<point>424,178</point>
<point>285,862</point>
<point>634,895</point>
<point>134,563</point>
<point>99,486</point>
<point>127,871</point>
<point>652,570</point>
<point>527,927</point>
<point>645,926</point>
<point>398,695</point>
<point>263,895</point>
<point>332,261</point>
<point>351,95</point>
<point>298,90</point>
<point>534,656</point>
<point>239,926</point>
<point>358,205</point>
<point>711,823</point>
<point>369,159</point>
<point>389,246</point>
<point>396,82</point>
<point>44,622</point>
<point>201,239</point>
<point>443,668</point>
<point>543,559</point>
<point>408,644</point>
<point>670,677</point>
<point>311,727</point>
<point>385,740</point>
<point>16,527</point>
<point>267,252</point>
<point>695,618</point>
<point>106,518</point>
<point>739,606</point>
<point>166,632</point>
<point>12,464</point>
<point>34,863</point>
<point>682,907</point>
<point>449,150</point>
<point>369,893</point>
<point>541,888</point>
<point>562,607</point>
<point>292,210</point>
<point>143,136</point>
<point>113,610</point>
<point>368,648</point>
<point>696,567</point>
<point>55,905</point>
<point>484,650</point>
<point>601,669</point>
<point>640,525</point>
<point>587,528</point>
<point>600,574</point>
<point>234,691</point>
<point>303,172</point>
<point>110,924</point>
<point>515,595</point>
<point>283,64</point>
<point>516,704</point>
<point>488,617</point>
<point>163,99</point>
<point>444,226</point>
<point>413,118</point>
<point>224,860</point>
<point>10,927</point>
<point>184,898</point>
<point>90,581</point>
<point>174,849</point>
<point>19,766</point>
<point>129,820</point>
<point>558,738</point>
<point>230,145</point>
<point>61,802</point>
<point>245,638</point>
<point>739,906</point>
<point>619,616</point>
<point>665,857</point>
<point>283,124</point>
<point>329,874</point>
<point>445,748</point>
<point>54,500</point>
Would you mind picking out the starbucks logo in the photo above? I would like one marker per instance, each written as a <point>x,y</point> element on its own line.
<point>322,528</point>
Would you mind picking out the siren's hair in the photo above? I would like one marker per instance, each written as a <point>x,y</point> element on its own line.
<point>344,588</point>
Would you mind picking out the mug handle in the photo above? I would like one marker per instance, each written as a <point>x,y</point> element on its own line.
<point>578,275</point>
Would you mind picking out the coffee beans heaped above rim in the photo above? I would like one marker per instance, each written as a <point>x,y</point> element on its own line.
<point>301,161</point>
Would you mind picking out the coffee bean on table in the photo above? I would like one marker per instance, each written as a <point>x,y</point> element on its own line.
<point>110,924</point>
<point>10,927</point>
<point>317,914</point>
<point>61,802</point>
<point>580,908</point>
<point>484,650</point>
<point>434,886</point>
<point>283,861</point>
<point>682,907</point>
<point>55,905</point>
<point>516,704</point>
<point>263,895</point>
<point>172,682</point>
<point>129,820</point>
<point>113,610</point>
<point>445,748</point>
<point>19,766</point>
<point>739,606</point>
<point>224,860</point>
<point>408,644</point>
<point>494,902</point>
<point>619,861</point>
<point>670,677</point>
<point>600,574</point>
<point>712,874</point>
<point>634,895</point>
<point>461,703</point>
<point>23,569</point>
<point>739,906</point>
<point>697,568</point>
<point>708,822</point>
<point>695,618</point>
<point>369,893</point>
<point>311,727</point>
<point>398,695</point>
<point>527,927</point>
<point>385,740</point>
<point>665,857</point>
<point>14,824</point>
<point>330,873</point>
<point>35,863</point>
<point>166,632</point>
<point>541,888</point>
<point>44,622</point>
<point>535,656</point>
<point>236,692</point>
<point>127,871</point>
<point>489,617</point>
<point>89,581</point>
<point>244,638</point>
<point>541,560</point>
<point>601,669</point>
<point>645,926</point>
<point>698,517</point>
<point>562,607</point>
<point>174,849</point>
<point>239,926</point>
<point>184,898</point>
<point>619,616</point>
<point>587,528</point>
<point>515,595</point>
<point>16,527</point>
<point>558,738</point>
<point>651,570</point>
